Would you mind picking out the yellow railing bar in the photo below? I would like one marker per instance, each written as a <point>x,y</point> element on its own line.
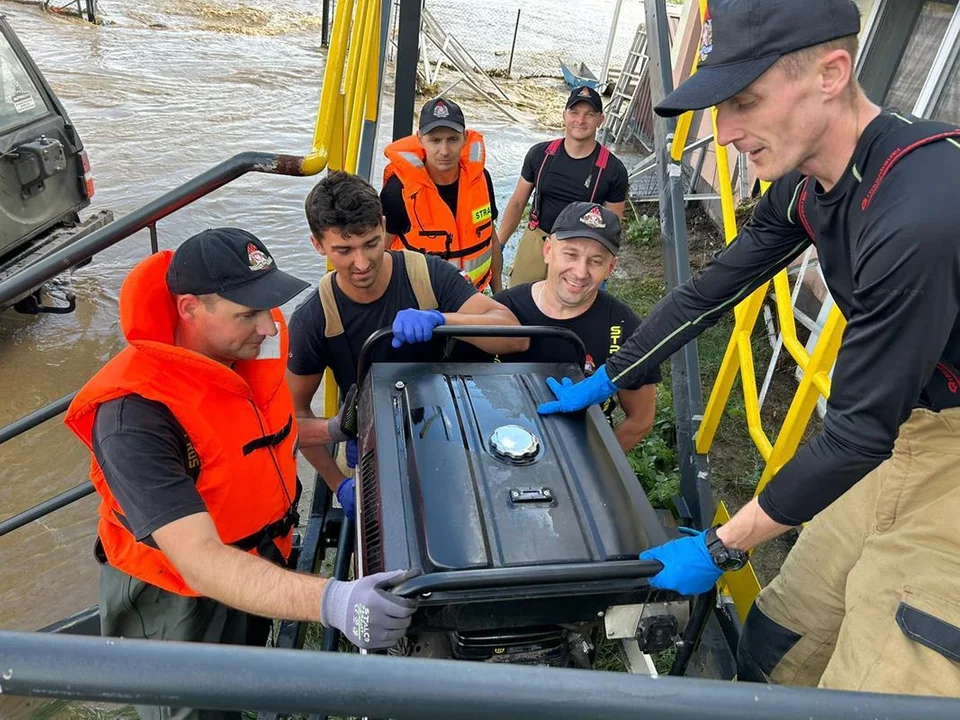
<point>788,322</point>
<point>367,58</point>
<point>805,399</point>
<point>317,159</point>
<point>373,71</point>
<point>742,585</point>
<point>350,86</point>
<point>682,131</point>
<point>739,355</point>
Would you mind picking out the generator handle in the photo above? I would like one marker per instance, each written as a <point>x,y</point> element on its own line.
<point>527,576</point>
<point>456,331</point>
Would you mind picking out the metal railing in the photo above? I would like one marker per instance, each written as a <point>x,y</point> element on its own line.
<point>239,678</point>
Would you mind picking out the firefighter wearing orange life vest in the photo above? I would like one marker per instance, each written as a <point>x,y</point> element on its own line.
<point>193,441</point>
<point>438,198</point>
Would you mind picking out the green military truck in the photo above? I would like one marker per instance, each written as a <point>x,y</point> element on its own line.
<point>45,178</point>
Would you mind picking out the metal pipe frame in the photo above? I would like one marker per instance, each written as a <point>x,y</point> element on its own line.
<point>685,364</point>
<point>167,204</point>
<point>240,678</point>
<point>405,83</point>
<point>531,331</point>
<point>527,576</point>
<point>37,417</point>
<point>940,69</point>
<point>371,127</point>
<point>341,571</point>
<point>46,507</point>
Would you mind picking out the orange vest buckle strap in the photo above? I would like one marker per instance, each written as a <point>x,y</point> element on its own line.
<point>239,421</point>
<point>466,240</point>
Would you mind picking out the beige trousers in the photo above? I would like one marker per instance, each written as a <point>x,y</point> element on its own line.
<point>869,598</point>
<point>528,265</point>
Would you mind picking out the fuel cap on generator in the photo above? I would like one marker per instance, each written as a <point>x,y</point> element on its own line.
<point>514,443</point>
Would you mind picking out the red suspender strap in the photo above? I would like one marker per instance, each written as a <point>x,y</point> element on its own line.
<point>802,209</point>
<point>551,150</point>
<point>601,165</point>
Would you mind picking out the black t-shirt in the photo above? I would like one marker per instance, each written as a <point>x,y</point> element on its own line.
<point>894,272</point>
<point>602,328</point>
<point>148,462</point>
<point>310,351</point>
<point>566,180</point>
<point>395,211</point>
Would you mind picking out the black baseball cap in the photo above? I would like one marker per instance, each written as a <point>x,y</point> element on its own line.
<point>742,39</point>
<point>441,112</point>
<point>585,94</point>
<point>233,264</point>
<point>589,220</point>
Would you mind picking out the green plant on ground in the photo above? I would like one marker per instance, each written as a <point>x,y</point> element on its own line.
<point>644,230</point>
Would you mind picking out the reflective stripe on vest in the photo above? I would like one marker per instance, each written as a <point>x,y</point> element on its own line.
<point>239,420</point>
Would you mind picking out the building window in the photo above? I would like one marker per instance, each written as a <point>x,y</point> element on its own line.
<point>928,32</point>
<point>948,107</point>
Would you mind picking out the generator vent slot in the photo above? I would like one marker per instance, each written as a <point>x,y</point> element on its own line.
<point>370,531</point>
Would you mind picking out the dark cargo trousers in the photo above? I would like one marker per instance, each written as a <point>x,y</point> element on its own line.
<point>869,598</point>
<point>131,608</point>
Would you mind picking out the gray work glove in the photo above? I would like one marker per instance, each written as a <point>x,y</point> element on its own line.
<point>364,611</point>
<point>335,427</point>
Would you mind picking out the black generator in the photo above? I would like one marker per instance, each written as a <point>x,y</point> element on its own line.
<point>525,529</point>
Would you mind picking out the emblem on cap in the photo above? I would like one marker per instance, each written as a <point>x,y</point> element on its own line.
<point>706,36</point>
<point>589,366</point>
<point>584,92</point>
<point>441,110</point>
<point>258,259</point>
<point>593,218</point>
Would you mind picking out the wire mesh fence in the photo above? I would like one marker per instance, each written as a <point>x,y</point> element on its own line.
<point>529,38</point>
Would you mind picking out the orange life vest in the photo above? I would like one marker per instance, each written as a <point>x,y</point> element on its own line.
<point>466,240</point>
<point>239,421</point>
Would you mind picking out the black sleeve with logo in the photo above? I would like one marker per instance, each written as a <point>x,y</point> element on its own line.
<point>902,319</point>
<point>898,281</point>
<point>148,463</point>
<point>766,244</point>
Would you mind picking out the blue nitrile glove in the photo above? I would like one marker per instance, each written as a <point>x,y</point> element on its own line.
<point>366,611</point>
<point>413,326</point>
<point>347,495</point>
<point>351,453</point>
<point>577,396</point>
<point>687,566</point>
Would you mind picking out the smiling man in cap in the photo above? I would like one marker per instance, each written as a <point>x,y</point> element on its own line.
<point>580,254</point>
<point>866,600</point>
<point>193,442</point>
<point>574,168</point>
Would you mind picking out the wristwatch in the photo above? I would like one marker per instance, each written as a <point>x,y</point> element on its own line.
<point>725,558</point>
